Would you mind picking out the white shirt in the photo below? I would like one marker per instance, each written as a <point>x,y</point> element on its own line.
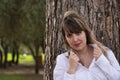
<point>100,69</point>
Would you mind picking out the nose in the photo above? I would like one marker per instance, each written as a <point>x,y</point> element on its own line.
<point>75,37</point>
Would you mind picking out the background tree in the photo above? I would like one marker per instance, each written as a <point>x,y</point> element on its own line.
<point>33,27</point>
<point>10,26</point>
<point>22,22</point>
<point>102,16</point>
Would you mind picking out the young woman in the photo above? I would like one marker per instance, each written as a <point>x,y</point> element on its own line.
<point>86,58</point>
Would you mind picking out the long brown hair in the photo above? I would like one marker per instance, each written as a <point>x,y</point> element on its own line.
<point>75,23</point>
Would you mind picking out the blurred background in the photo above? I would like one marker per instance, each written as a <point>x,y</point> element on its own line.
<point>22,24</point>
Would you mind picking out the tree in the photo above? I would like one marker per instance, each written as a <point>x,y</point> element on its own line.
<point>33,27</point>
<point>22,21</point>
<point>103,19</point>
<point>10,25</point>
<point>1,57</point>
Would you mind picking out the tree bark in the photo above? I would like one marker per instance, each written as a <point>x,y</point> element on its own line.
<point>103,19</point>
<point>1,58</point>
<point>118,8</point>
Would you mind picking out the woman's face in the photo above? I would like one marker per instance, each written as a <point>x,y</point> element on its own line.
<point>76,41</point>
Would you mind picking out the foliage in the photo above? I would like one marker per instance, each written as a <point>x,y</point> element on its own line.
<point>33,20</point>
<point>22,20</point>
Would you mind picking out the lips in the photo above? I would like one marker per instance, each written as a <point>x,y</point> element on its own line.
<point>77,44</point>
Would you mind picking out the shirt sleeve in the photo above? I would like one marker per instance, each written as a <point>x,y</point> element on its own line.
<point>109,66</point>
<point>60,71</point>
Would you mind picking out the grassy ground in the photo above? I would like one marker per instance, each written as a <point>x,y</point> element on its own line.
<point>21,77</point>
<point>23,71</point>
<point>25,58</point>
<point>20,72</point>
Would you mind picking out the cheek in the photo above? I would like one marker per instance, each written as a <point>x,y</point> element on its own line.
<point>83,37</point>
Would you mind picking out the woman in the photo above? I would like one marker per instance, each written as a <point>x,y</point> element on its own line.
<point>86,58</point>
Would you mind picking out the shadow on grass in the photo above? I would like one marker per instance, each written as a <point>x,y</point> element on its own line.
<point>20,72</point>
<point>21,77</point>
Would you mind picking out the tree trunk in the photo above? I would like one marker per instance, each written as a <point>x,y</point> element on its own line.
<point>5,47</point>
<point>103,19</point>
<point>37,45</point>
<point>1,58</point>
<point>35,53</point>
<point>118,54</point>
<point>15,53</point>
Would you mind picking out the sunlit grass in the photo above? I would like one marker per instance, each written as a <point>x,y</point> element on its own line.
<point>25,58</point>
<point>22,58</point>
<point>9,58</point>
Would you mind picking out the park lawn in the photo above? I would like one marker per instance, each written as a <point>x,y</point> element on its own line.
<point>21,77</point>
<point>23,59</point>
<point>26,59</point>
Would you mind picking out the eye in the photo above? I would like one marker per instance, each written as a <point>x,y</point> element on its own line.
<point>68,35</point>
<point>78,33</point>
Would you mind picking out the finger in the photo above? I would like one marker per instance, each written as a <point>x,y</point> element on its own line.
<point>72,53</point>
<point>97,50</point>
<point>97,47</point>
<point>94,45</point>
<point>76,58</point>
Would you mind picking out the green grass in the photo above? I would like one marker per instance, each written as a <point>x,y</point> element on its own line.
<point>22,58</point>
<point>25,58</point>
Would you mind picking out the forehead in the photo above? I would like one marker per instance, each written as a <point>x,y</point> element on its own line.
<point>66,32</point>
<point>72,29</point>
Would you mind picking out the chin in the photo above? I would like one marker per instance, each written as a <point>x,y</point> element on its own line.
<point>78,49</point>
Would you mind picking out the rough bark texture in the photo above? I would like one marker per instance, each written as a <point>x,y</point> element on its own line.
<point>102,16</point>
<point>118,8</point>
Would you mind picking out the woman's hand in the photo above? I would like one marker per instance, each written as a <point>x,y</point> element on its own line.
<point>97,52</point>
<point>73,62</point>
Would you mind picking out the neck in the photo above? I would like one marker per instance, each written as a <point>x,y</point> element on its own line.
<point>84,51</point>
